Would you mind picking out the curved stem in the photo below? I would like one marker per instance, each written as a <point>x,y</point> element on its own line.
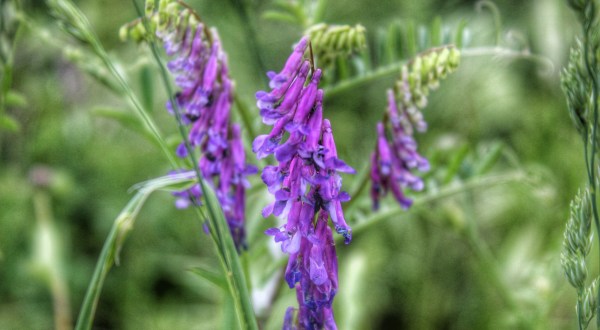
<point>371,76</point>
<point>396,67</point>
<point>490,181</point>
<point>491,6</point>
<point>245,115</point>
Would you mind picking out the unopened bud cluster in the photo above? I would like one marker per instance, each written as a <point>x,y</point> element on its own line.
<point>169,15</point>
<point>424,73</point>
<point>332,41</point>
<point>395,158</point>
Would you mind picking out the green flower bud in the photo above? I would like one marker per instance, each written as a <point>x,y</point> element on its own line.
<point>123,33</point>
<point>330,42</point>
<point>149,8</point>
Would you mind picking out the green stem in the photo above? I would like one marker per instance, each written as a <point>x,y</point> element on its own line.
<point>580,320</point>
<point>360,183</point>
<point>495,16</point>
<point>349,84</point>
<point>143,114</point>
<point>395,68</point>
<point>396,210</point>
<point>80,26</point>
<point>250,30</point>
<point>245,116</point>
<point>591,69</point>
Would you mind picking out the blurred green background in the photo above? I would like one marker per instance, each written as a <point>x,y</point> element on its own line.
<point>485,259</point>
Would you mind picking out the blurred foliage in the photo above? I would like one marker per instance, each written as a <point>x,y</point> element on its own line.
<point>423,269</point>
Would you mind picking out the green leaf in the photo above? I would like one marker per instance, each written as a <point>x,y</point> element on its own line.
<point>281,17</point>
<point>147,88</point>
<point>10,124</point>
<point>460,30</point>
<point>436,32</point>
<point>490,158</point>
<point>114,242</point>
<point>15,99</point>
<point>212,277</point>
<point>411,39</point>
<point>391,44</point>
<point>455,163</point>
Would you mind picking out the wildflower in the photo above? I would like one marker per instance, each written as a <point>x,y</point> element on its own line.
<point>199,67</point>
<point>306,187</point>
<point>392,162</point>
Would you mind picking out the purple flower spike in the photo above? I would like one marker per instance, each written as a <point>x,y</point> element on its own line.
<point>306,185</point>
<point>200,69</point>
<point>393,161</point>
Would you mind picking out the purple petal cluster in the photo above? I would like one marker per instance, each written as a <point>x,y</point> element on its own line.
<point>306,186</point>
<point>199,68</point>
<point>393,161</point>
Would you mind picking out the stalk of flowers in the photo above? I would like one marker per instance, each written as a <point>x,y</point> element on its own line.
<point>395,159</point>
<point>306,186</point>
<point>199,67</point>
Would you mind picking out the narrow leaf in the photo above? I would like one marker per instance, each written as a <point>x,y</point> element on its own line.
<point>212,277</point>
<point>281,17</point>
<point>114,242</point>
<point>455,163</point>
<point>15,99</point>
<point>391,45</point>
<point>147,88</point>
<point>460,30</point>
<point>490,158</point>
<point>436,32</point>
<point>10,124</point>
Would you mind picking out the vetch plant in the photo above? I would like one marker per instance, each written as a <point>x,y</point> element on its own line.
<point>306,186</point>
<point>210,174</point>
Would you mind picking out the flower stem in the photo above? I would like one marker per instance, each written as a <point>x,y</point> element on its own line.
<point>245,116</point>
<point>488,181</point>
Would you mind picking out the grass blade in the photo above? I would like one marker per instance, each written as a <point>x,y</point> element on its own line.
<point>115,240</point>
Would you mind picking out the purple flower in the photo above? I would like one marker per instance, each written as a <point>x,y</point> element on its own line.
<point>199,67</point>
<point>306,187</point>
<point>394,160</point>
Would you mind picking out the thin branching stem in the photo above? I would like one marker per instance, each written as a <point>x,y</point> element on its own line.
<point>396,210</point>
<point>396,67</point>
